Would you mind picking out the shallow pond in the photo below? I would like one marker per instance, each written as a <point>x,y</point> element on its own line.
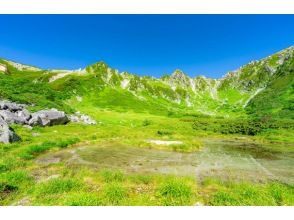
<point>222,159</point>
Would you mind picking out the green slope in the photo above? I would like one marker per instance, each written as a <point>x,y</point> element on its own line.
<point>277,99</point>
<point>259,88</point>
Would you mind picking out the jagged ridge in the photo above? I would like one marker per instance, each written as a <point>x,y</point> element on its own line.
<point>107,87</point>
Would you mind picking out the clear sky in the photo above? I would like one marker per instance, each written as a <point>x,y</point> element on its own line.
<point>153,45</point>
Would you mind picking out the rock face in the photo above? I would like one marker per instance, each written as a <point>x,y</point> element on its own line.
<point>7,135</point>
<point>48,118</point>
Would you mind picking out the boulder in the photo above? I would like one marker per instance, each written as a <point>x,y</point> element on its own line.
<point>25,114</point>
<point>11,117</point>
<point>48,118</point>
<point>7,135</point>
<point>11,106</point>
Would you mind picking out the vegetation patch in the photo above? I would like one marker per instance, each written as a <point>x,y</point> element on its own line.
<point>34,150</point>
<point>175,191</point>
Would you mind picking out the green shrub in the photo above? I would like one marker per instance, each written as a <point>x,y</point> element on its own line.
<point>162,133</point>
<point>7,188</point>
<point>146,122</point>
<point>241,126</point>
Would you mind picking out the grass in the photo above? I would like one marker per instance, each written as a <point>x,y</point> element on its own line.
<point>249,194</point>
<point>83,199</point>
<point>175,192</point>
<point>112,176</point>
<point>21,177</point>
<point>115,193</point>
<point>34,150</point>
<point>55,186</point>
<point>130,118</point>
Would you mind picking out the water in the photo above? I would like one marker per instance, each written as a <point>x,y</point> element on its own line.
<point>221,159</point>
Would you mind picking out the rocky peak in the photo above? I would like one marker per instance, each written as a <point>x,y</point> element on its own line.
<point>178,74</point>
<point>98,67</point>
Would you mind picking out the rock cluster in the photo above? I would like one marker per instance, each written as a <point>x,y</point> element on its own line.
<point>12,113</point>
<point>80,118</point>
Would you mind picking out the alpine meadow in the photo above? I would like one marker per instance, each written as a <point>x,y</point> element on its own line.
<point>96,136</point>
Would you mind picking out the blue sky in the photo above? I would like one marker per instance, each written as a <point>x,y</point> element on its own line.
<point>154,45</point>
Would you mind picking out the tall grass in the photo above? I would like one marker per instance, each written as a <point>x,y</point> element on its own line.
<point>249,194</point>
<point>115,193</point>
<point>32,151</point>
<point>175,191</point>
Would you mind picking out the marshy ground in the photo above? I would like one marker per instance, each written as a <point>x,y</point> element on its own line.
<point>142,159</point>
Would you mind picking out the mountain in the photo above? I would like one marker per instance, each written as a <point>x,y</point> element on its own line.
<point>260,88</point>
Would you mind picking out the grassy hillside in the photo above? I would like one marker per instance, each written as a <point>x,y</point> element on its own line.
<point>277,99</point>
<point>175,140</point>
<point>256,89</point>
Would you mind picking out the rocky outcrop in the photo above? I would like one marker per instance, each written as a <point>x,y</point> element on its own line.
<point>12,118</point>
<point>80,118</point>
<point>13,113</point>
<point>48,118</point>
<point>7,134</point>
<point>3,68</point>
<point>11,106</point>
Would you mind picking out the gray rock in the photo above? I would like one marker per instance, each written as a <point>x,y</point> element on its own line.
<point>7,135</point>
<point>11,106</point>
<point>11,117</point>
<point>80,118</point>
<point>25,114</point>
<point>48,118</point>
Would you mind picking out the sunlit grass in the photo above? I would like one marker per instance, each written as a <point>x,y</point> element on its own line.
<point>21,177</point>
